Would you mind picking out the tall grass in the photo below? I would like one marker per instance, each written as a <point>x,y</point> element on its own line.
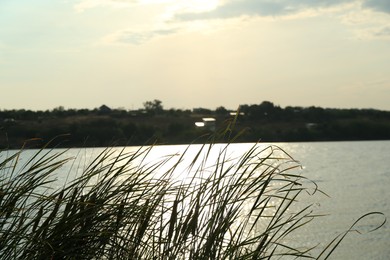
<point>123,207</point>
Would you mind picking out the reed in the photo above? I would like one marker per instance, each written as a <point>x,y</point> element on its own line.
<point>122,207</point>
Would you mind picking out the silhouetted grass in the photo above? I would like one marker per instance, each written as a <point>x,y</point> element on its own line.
<point>123,207</point>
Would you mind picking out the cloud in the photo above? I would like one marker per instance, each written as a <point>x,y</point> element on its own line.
<point>136,37</point>
<point>378,5</point>
<point>195,15</point>
<point>88,4</point>
<point>374,32</point>
<point>383,32</point>
<point>235,8</point>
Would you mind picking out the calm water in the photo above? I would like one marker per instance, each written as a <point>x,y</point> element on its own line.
<point>355,175</point>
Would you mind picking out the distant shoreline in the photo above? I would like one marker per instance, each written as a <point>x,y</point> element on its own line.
<point>105,127</point>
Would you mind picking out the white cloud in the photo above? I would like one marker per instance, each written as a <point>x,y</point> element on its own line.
<point>367,24</point>
<point>374,33</point>
<point>384,31</point>
<point>136,37</point>
<point>174,5</point>
<point>88,4</point>
<point>201,15</point>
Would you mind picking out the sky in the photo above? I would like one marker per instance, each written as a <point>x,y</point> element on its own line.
<point>194,53</point>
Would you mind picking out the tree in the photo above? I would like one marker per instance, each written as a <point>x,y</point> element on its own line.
<point>221,111</point>
<point>153,107</point>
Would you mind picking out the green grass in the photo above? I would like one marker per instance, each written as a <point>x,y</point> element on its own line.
<point>122,207</point>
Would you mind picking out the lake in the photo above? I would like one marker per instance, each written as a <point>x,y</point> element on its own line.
<point>354,175</point>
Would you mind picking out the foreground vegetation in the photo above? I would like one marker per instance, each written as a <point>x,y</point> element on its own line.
<point>122,206</point>
<point>99,127</point>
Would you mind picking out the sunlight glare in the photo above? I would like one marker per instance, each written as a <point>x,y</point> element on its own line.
<point>192,6</point>
<point>201,5</point>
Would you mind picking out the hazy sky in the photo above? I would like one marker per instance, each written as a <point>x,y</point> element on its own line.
<point>194,53</point>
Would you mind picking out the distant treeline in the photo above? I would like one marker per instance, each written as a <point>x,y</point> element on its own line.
<point>266,122</point>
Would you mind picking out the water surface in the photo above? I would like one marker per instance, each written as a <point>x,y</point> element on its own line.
<point>354,175</point>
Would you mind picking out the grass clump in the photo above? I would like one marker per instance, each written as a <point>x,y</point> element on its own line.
<point>202,205</point>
